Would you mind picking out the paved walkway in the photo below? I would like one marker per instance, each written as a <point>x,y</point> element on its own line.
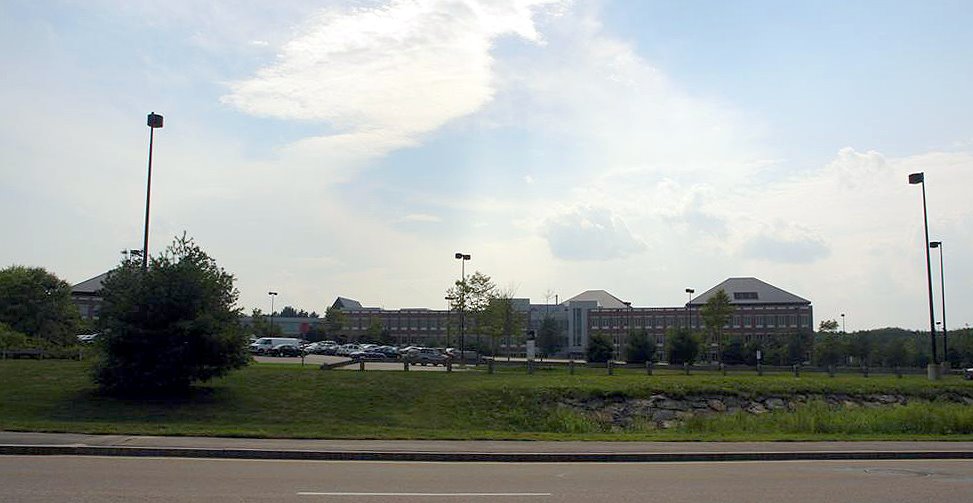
<point>449,450</point>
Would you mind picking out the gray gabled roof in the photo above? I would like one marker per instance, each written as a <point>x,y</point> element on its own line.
<point>765,293</point>
<point>601,297</point>
<point>91,286</point>
<point>346,303</point>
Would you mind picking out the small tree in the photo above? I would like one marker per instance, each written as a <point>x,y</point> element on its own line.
<point>716,313</point>
<point>334,322</point>
<point>682,345</point>
<point>600,348</point>
<point>639,348</point>
<point>549,339</point>
<point>38,304</point>
<point>169,326</point>
<point>829,350</point>
<point>830,326</point>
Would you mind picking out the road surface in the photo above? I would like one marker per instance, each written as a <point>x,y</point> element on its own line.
<point>101,479</point>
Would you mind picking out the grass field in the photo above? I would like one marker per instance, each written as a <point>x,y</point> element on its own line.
<point>278,400</point>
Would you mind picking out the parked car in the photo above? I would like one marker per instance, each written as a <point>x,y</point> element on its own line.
<point>287,350</point>
<point>426,356</point>
<point>347,349</point>
<point>269,345</point>
<point>368,356</point>
<point>968,374</point>
<point>389,351</point>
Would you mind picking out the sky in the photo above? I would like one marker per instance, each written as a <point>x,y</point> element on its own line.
<point>643,147</point>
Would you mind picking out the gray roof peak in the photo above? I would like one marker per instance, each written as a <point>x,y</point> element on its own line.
<point>749,290</point>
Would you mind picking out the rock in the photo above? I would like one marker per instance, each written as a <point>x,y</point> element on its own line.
<point>672,405</point>
<point>663,415</point>
<point>756,408</point>
<point>668,424</point>
<point>775,404</point>
<point>716,405</point>
<point>684,415</point>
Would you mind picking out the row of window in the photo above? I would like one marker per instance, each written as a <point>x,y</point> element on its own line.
<point>737,321</point>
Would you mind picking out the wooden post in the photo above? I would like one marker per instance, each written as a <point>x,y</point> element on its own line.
<point>571,367</point>
<point>610,369</point>
<point>648,367</point>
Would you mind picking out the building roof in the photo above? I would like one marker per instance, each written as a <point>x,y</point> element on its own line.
<point>750,291</point>
<point>601,297</point>
<point>347,304</point>
<point>89,287</point>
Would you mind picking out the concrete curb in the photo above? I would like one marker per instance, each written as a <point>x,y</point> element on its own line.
<point>578,457</point>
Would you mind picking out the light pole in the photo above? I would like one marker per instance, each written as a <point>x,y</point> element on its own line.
<point>942,285</point>
<point>462,257</point>
<point>154,121</point>
<point>842,322</point>
<point>689,322</point>
<point>272,295</point>
<point>931,372</point>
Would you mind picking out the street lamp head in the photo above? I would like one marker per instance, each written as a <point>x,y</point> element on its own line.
<point>915,178</point>
<point>461,256</point>
<point>154,121</point>
<point>935,244</point>
<point>271,293</point>
<point>690,291</point>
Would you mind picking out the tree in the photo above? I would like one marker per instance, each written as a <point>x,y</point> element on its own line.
<point>288,312</point>
<point>639,347</point>
<point>501,320</point>
<point>716,313</point>
<point>334,322</point>
<point>734,353</point>
<point>828,326</point>
<point>260,325</point>
<point>682,345</point>
<point>38,304</point>
<point>169,326</point>
<point>829,350</point>
<point>600,348</point>
<point>549,339</point>
<point>470,298</point>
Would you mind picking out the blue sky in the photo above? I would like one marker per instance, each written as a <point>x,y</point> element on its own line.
<point>350,148</point>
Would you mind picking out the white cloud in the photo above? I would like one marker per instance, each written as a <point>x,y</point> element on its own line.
<point>420,217</point>
<point>589,233</point>
<point>385,75</point>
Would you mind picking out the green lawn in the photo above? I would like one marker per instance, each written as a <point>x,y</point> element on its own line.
<point>281,400</point>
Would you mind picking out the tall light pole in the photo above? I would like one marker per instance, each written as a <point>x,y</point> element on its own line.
<point>842,322</point>
<point>154,122</point>
<point>932,372</point>
<point>689,322</point>
<point>942,285</point>
<point>272,295</point>
<point>462,257</point>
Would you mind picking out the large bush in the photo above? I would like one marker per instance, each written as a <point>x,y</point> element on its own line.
<point>169,326</point>
<point>600,348</point>
<point>38,304</point>
<point>639,348</point>
<point>683,346</point>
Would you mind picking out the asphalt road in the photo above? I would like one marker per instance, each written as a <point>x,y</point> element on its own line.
<point>98,479</point>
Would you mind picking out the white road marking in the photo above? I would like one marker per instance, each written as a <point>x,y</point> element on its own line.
<point>420,494</point>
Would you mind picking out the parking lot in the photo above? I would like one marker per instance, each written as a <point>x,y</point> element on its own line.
<point>320,359</point>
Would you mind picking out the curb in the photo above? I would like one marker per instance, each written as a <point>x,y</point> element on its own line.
<point>268,454</point>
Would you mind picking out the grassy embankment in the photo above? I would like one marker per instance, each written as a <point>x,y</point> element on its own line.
<point>275,400</point>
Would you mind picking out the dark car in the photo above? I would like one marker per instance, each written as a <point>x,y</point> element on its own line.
<point>968,374</point>
<point>286,350</point>
<point>368,356</point>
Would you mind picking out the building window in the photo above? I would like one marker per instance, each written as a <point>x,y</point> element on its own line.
<point>744,295</point>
